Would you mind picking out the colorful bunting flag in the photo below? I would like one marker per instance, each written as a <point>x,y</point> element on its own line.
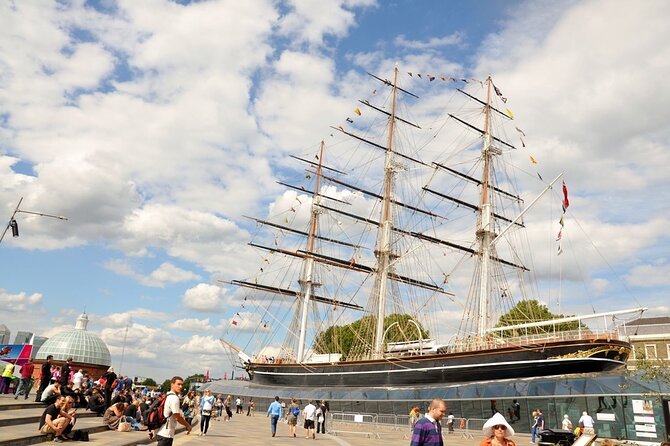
<point>350,120</point>
<point>520,131</point>
<point>566,202</point>
<point>532,160</point>
<point>509,113</point>
<point>357,111</point>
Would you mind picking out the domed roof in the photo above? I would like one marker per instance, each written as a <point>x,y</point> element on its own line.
<point>82,346</point>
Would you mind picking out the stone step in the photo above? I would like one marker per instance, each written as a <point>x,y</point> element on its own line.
<point>27,433</point>
<point>32,415</point>
<point>12,404</point>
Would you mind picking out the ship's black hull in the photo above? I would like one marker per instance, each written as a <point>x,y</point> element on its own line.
<point>547,359</point>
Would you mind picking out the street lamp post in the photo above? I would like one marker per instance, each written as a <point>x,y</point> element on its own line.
<point>15,226</point>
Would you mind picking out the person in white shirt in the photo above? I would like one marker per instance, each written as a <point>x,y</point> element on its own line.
<point>77,379</point>
<point>308,413</point>
<point>450,422</point>
<point>586,423</point>
<point>173,414</point>
<point>566,425</point>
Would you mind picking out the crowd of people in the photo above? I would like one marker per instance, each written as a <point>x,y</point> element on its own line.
<point>123,406</point>
<point>313,416</point>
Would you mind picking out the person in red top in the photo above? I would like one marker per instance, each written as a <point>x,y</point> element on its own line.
<point>26,379</point>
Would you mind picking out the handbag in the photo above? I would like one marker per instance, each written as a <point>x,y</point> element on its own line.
<point>124,426</point>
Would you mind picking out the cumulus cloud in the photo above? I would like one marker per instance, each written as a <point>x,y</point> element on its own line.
<point>202,345</point>
<point>166,273</point>
<point>311,21</point>
<point>654,275</point>
<point>434,42</point>
<point>20,301</point>
<point>204,297</point>
<point>140,341</point>
<point>193,324</point>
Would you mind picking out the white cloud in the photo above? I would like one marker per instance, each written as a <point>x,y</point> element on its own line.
<point>141,341</point>
<point>311,20</point>
<point>193,324</point>
<point>204,297</point>
<point>654,275</point>
<point>434,42</point>
<point>19,302</point>
<point>165,274</point>
<point>202,345</point>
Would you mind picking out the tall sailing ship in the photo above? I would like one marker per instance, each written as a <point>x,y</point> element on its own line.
<point>358,269</point>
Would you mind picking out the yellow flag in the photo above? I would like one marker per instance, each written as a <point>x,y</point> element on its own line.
<point>532,160</point>
<point>509,113</point>
<point>357,111</point>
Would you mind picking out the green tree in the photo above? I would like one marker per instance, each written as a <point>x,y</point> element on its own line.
<point>197,378</point>
<point>532,310</point>
<point>165,387</point>
<point>149,382</point>
<point>341,338</point>
<point>655,372</point>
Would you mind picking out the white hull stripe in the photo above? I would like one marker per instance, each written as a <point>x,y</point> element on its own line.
<point>426,369</point>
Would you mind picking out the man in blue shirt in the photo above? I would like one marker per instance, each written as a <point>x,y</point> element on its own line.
<point>274,412</point>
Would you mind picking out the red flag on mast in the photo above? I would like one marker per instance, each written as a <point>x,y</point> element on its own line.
<point>566,202</point>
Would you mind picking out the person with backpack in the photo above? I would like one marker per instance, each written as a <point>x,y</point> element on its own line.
<point>292,417</point>
<point>171,412</point>
<point>274,412</point>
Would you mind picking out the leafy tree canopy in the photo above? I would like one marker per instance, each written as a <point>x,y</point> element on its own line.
<point>532,310</point>
<point>165,387</point>
<point>341,338</point>
<point>197,378</point>
<point>149,382</point>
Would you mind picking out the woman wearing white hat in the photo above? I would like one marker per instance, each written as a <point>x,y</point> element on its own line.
<point>497,432</point>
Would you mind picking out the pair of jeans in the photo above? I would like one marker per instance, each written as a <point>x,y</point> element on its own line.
<point>24,386</point>
<point>204,423</point>
<point>533,434</point>
<point>273,423</point>
<point>133,422</point>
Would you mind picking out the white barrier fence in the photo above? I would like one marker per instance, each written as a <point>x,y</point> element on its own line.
<point>393,425</point>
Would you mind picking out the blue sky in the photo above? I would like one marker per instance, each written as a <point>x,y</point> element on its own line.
<point>155,126</point>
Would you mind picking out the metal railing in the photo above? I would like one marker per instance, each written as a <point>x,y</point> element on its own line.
<point>379,425</point>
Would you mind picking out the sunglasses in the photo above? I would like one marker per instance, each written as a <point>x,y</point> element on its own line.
<point>500,426</point>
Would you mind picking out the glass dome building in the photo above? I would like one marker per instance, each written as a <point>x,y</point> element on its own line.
<point>77,343</point>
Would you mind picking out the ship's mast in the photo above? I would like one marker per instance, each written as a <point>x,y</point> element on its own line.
<point>383,252</point>
<point>484,229</point>
<point>306,281</point>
